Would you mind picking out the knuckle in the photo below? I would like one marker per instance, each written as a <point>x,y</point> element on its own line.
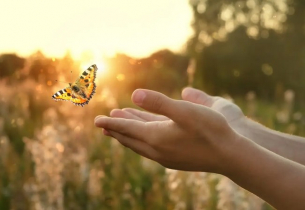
<point>191,114</point>
<point>121,127</point>
<point>157,103</point>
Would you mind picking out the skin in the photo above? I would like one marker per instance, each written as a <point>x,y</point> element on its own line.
<point>211,134</point>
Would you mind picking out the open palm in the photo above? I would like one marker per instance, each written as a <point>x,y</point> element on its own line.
<point>229,110</point>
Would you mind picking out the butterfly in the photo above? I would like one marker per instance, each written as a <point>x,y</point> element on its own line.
<point>81,91</point>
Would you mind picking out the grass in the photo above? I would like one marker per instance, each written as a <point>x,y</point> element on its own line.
<point>52,157</point>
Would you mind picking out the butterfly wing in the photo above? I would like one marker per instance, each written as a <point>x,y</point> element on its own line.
<point>63,95</point>
<point>86,80</point>
<point>67,95</point>
<point>79,101</point>
<point>85,83</point>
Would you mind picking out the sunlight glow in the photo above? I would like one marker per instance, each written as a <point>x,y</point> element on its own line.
<point>100,63</point>
<point>101,67</point>
<point>120,77</point>
<point>137,28</point>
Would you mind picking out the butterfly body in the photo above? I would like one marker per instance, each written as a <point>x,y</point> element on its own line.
<point>81,91</point>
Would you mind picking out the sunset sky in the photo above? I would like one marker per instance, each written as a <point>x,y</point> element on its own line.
<point>103,27</point>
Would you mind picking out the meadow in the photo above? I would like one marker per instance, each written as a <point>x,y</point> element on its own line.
<point>53,157</point>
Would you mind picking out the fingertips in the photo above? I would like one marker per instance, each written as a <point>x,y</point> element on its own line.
<point>130,127</point>
<point>97,117</point>
<point>99,120</point>
<point>108,123</point>
<point>138,96</point>
<point>196,96</point>
<point>136,113</point>
<point>97,124</point>
<point>155,102</point>
<point>116,113</point>
<point>145,116</point>
<point>121,113</point>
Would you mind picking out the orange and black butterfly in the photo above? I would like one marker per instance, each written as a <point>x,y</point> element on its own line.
<point>81,91</point>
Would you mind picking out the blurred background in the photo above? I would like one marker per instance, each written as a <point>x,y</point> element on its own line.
<point>51,155</point>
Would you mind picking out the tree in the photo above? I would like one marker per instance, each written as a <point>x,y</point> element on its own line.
<point>9,64</point>
<point>219,22</point>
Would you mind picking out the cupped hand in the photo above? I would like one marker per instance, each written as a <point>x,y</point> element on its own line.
<point>184,135</point>
<point>233,114</point>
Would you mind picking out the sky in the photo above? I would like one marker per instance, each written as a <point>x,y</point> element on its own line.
<point>102,27</point>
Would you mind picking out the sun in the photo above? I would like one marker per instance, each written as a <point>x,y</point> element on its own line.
<point>87,58</point>
<point>101,68</point>
<point>100,65</point>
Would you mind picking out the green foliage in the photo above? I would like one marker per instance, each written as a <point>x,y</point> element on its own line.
<point>51,155</point>
<point>9,64</point>
<point>48,148</point>
<point>237,49</point>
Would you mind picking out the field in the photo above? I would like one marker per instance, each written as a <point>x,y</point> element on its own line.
<point>53,157</point>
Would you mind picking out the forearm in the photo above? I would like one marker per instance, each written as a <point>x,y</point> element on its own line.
<point>285,145</point>
<point>277,180</point>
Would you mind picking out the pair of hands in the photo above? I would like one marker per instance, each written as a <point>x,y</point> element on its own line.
<point>205,133</point>
<point>198,133</point>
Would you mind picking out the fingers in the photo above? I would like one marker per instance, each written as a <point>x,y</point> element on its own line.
<point>129,113</point>
<point>105,132</point>
<point>132,128</point>
<point>119,113</point>
<point>197,96</point>
<point>147,132</point>
<point>139,147</point>
<point>146,116</point>
<point>160,104</point>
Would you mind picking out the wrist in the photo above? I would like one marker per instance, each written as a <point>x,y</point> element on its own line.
<point>261,172</point>
<point>286,145</point>
<point>229,153</point>
<point>248,128</point>
<point>231,156</point>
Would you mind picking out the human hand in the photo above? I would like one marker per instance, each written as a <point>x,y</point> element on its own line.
<point>186,136</point>
<point>233,114</point>
<point>200,137</point>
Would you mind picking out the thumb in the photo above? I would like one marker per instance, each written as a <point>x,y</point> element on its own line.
<point>158,103</point>
<point>197,96</point>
